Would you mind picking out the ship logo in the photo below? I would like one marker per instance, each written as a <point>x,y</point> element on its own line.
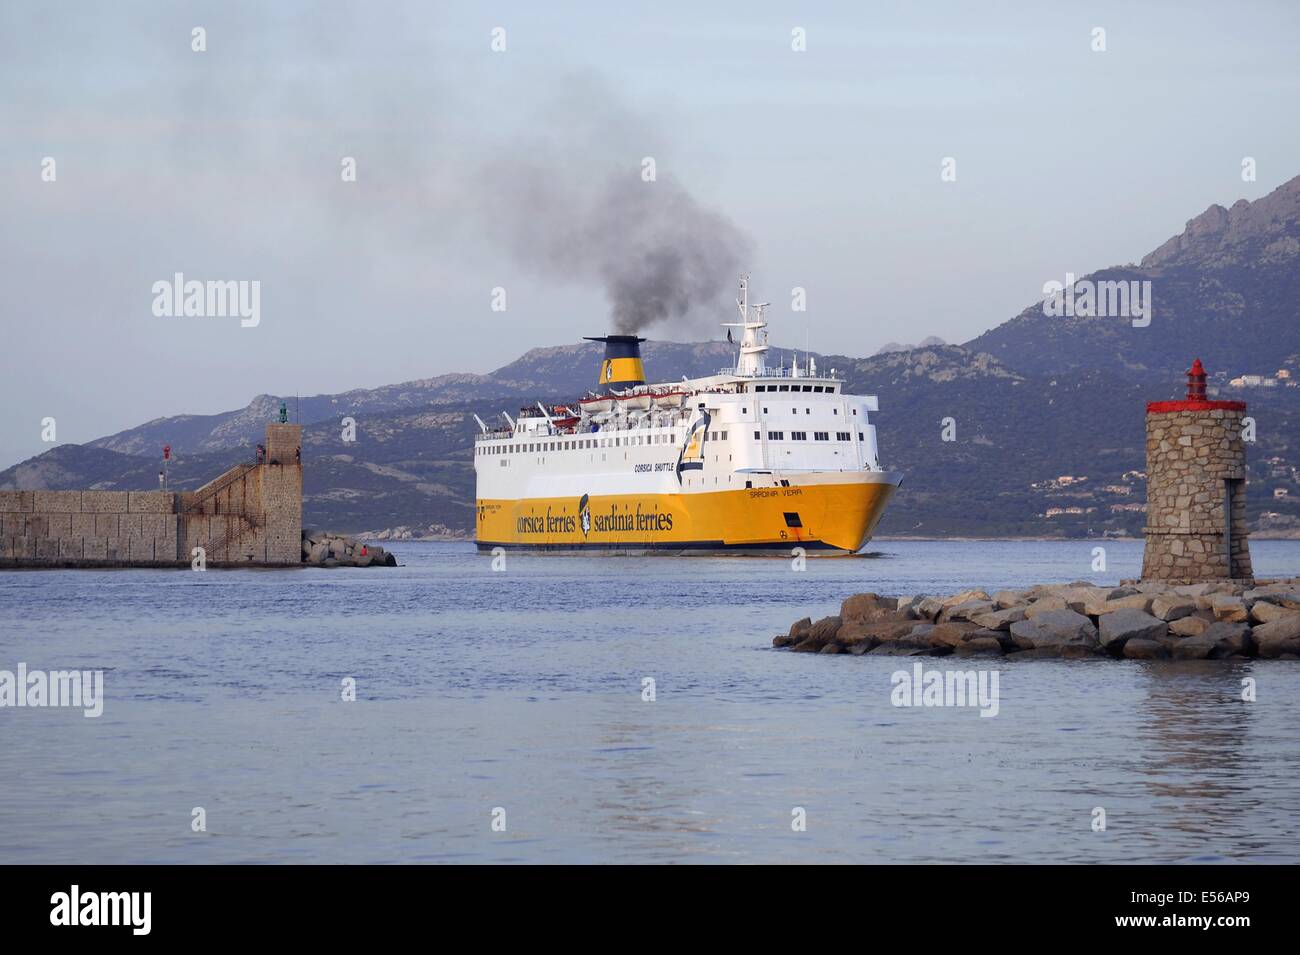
<point>607,370</point>
<point>584,515</point>
<point>692,454</point>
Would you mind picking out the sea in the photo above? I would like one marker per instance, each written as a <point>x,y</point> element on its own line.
<point>551,709</point>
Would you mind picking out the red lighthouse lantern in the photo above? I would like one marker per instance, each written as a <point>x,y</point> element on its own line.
<point>1196,381</point>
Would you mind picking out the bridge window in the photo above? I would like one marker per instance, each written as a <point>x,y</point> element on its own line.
<point>776,436</point>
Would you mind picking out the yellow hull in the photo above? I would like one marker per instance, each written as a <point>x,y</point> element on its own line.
<point>836,517</point>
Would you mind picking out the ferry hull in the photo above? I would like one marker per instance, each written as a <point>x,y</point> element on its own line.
<point>831,514</point>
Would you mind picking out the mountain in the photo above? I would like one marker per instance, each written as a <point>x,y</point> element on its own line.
<point>1048,411</point>
<point>895,346</point>
<point>559,372</point>
<point>1220,289</point>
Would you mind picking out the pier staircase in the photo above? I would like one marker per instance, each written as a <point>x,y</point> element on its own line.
<point>240,520</point>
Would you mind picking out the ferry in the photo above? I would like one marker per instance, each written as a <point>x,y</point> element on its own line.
<point>751,460</point>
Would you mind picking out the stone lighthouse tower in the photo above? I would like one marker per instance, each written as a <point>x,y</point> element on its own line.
<point>1196,488</point>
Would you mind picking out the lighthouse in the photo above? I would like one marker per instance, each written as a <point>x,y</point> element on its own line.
<point>1196,488</point>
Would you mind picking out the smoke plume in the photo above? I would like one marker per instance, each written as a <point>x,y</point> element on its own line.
<point>573,205</point>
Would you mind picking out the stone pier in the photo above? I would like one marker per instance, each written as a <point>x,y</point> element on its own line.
<point>250,516</point>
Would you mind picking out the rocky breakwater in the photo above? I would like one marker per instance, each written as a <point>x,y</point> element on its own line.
<point>1138,621</point>
<point>336,550</point>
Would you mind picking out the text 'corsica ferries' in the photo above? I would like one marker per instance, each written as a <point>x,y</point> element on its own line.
<point>749,460</point>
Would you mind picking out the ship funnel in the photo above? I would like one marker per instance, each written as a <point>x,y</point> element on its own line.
<point>621,366</point>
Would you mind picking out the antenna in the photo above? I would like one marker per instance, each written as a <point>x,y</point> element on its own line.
<point>750,362</point>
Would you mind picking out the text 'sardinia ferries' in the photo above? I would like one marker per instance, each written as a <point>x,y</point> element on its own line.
<point>750,460</point>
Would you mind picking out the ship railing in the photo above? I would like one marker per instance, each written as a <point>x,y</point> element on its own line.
<point>779,373</point>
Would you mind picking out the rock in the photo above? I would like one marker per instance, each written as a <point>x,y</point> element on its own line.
<point>1117,628</point>
<point>1229,608</point>
<point>1044,605</point>
<point>1000,619</point>
<point>337,548</point>
<point>979,646</point>
<point>1009,598</point>
<point>1055,628</point>
<point>1152,587</point>
<point>1188,626</point>
<point>831,648</point>
<point>1192,590</point>
<point>1229,639</point>
<point>964,596</point>
<point>861,607</point>
<point>823,632</point>
<point>965,610</point>
<point>1196,647</point>
<point>1084,600</point>
<point>897,649</point>
<point>914,635</point>
<point>783,640</point>
<point>1172,606</point>
<point>920,631</point>
<point>1288,598</point>
<point>1279,637</point>
<point>929,608</point>
<point>390,560</point>
<point>854,632</point>
<point>1227,587</point>
<point>1264,611</point>
<point>952,634</point>
<point>799,629</point>
<point>319,552</point>
<point>1138,601</point>
<point>1143,649</point>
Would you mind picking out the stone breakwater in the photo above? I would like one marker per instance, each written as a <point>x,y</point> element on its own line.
<point>1139,621</point>
<point>324,549</point>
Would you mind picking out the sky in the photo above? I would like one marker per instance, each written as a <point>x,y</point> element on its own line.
<point>523,169</point>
